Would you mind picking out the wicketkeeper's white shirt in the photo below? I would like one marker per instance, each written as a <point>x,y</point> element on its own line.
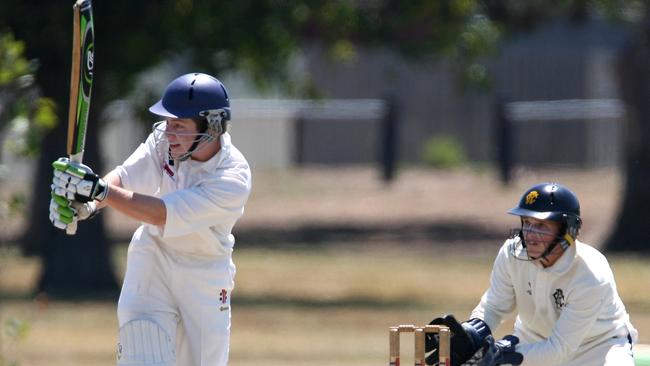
<point>568,314</point>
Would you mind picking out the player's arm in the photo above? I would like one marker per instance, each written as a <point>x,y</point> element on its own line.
<point>217,199</point>
<point>141,207</point>
<point>79,183</point>
<point>113,180</point>
<point>498,301</point>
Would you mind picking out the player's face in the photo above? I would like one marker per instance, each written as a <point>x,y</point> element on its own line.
<point>539,235</point>
<point>181,134</point>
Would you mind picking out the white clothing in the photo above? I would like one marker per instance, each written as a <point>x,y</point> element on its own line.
<point>181,275</point>
<point>569,314</point>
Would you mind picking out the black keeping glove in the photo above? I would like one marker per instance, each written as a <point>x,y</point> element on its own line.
<point>466,339</point>
<point>501,352</point>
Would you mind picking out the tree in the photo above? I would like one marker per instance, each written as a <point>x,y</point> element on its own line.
<point>258,37</point>
<point>24,114</point>
<point>629,234</point>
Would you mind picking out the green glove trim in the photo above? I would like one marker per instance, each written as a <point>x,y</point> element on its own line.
<point>61,201</point>
<point>60,165</point>
<point>76,171</point>
<point>65,213</point>
<point>64,165</point>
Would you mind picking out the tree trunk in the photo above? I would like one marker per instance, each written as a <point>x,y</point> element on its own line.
<point>631,233</point>
<point>76,265</point>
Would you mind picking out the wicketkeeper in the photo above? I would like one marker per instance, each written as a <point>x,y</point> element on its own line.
<point>563,291</point>
<point>187,184</point>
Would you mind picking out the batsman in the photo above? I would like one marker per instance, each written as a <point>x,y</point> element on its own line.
<point>187,184</point>
<point>568,311</point>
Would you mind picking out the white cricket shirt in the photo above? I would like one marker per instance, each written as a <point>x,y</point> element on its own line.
<point>203,199</point>
<point>564,311</point>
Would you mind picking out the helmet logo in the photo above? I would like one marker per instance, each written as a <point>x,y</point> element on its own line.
<point>531,197</point>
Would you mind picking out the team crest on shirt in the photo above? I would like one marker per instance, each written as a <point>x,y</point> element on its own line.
<point>558,295</point>
<point>223,300</point>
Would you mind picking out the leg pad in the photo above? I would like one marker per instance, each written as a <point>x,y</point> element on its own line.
<point>143,342</point>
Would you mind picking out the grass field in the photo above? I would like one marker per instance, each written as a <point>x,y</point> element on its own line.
<point>330,301</point>
<point>295,305</point>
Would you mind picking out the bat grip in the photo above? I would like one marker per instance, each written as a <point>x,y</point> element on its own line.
<point>72,228</point>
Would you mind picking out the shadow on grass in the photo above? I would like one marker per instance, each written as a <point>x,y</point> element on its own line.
<point>245,301</point>
<point>324,233</point>
<point>248,301</point>
<point>72,297</point>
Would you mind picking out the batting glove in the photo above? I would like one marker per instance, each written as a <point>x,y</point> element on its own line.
<point>78,182</point>
<point>61,214</point>
<point>64,214</point>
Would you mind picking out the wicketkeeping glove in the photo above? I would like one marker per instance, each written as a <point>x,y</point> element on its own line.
<point>77,182</point>
<point>501,352</point>
<point>466,339</point>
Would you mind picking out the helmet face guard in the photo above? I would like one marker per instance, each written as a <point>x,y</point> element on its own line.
<point>548,201</point>
<point>192,96</point>
<point>160,133</point>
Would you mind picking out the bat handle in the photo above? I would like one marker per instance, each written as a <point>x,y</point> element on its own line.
<point>72,228</point>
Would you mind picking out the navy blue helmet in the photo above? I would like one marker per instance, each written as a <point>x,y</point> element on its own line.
<point>193,95</point>
<point>555,202</point>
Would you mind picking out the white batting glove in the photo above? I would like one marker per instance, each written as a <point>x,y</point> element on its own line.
<point>65,214</point>
<point>77,182</point>
<point>61,214</point>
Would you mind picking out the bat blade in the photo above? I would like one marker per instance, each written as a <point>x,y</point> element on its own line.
<point>81,82</point>
<point>81,78</point>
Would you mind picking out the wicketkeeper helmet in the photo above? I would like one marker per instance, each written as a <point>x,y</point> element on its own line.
<point>555,202</point>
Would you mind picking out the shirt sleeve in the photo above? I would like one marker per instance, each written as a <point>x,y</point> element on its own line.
<point>499,299</point>
<point>573,326</point>
<point>141,172</point>
<point>218,200</point>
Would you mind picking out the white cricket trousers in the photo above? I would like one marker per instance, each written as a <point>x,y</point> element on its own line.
<point>188,296</point>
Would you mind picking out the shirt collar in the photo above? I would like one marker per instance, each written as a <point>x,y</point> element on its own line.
<point>214,162</point>
<point>563,264</point>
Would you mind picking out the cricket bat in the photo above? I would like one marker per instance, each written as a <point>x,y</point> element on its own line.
<point>81,82</point>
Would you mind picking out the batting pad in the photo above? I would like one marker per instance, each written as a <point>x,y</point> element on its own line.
<point>143,342</point>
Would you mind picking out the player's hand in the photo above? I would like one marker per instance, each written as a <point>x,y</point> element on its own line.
<point>466,339</point>
<point>501,352</point>
<point>61,214</point>
<point>64,214</point>
<point>77,182</point>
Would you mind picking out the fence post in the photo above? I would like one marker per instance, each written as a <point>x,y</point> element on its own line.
<point>299,135</point>
<point>388,144</point>
<point>503,131</point>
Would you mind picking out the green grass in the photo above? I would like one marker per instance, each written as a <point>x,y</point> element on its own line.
<point>293,306</point>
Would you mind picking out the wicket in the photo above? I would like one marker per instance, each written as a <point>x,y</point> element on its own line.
<point>444,350</point>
